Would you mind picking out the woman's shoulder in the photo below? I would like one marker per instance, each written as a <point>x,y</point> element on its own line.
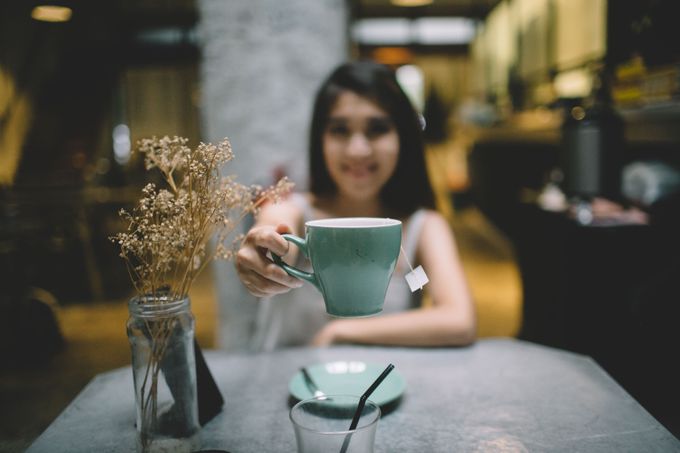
<point>300,199</point>
<point>308,205</point>
<point>427,216</point>
<point>433,222</point>
<point>305,203</point>
<point>421,223</point>
<point>290,205</point>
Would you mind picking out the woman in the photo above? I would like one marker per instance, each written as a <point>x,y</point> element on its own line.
<point>366,160</point>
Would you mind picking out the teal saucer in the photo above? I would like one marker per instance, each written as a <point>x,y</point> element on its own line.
<point>349,378</point>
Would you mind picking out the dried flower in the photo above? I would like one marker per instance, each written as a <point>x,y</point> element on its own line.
<point>168,240</point>
<point>167,243</point>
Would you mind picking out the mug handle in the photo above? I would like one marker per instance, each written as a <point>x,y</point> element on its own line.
<point>294,271</point>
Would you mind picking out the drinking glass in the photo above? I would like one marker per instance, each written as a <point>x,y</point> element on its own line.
<point>322,424</point>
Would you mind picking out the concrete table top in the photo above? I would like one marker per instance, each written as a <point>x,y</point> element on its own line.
<point>497,395</point>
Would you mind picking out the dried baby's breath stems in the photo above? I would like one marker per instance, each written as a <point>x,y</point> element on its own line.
<point>167,243</point>
<point>168,239</point>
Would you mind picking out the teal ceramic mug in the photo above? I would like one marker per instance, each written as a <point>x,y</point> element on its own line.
<point>352,262</point>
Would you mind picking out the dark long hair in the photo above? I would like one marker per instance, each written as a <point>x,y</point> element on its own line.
<point>409,187</point>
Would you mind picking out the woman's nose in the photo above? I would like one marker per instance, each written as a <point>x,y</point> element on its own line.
<point>358,145</point>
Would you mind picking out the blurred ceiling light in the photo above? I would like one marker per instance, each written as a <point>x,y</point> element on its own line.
<point>411,3</point>
<point>445,30</point>
<point>51,13</point>
<point>382,31</point>
<point>425,30</point>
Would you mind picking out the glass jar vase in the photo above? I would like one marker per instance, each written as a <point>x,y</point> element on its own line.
<point>161,334</point>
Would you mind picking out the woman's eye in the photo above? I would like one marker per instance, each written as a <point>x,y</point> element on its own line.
<point>338,130</point>
<point>378,127</point>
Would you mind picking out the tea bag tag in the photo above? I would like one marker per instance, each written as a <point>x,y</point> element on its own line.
<point>417,278</point>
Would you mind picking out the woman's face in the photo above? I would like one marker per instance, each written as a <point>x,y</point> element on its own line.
<point>360,146</point>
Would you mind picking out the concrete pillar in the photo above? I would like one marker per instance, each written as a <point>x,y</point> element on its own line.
<point>262,62</point>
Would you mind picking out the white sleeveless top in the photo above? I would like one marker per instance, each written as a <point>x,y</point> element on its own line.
<point>292,319</point>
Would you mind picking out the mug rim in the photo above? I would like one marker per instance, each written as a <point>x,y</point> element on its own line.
<point>353,222</point>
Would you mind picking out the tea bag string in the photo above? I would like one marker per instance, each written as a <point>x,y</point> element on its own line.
<point>403,253</point>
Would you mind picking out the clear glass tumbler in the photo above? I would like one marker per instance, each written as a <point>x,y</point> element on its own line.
<point>322,424</point>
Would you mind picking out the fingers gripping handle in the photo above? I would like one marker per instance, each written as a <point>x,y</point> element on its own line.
<point>295,272</point>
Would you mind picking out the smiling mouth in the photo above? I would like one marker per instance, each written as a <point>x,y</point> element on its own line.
<point>359,171</point>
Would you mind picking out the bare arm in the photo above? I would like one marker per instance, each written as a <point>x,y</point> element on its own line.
<point>257,272</point>
<point>450,321</point>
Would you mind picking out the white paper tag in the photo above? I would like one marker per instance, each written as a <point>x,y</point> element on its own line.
<point>416,279</point>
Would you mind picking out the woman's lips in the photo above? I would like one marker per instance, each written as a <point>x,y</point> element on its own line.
<point>359,170</point>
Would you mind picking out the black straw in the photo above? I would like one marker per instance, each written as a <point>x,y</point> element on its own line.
<point>367,393</point>
<point>362,403</point>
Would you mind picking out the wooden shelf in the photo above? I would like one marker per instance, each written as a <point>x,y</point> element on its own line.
<point>656,125</point>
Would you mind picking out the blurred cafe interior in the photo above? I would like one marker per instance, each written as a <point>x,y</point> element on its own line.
<point>553,144</point>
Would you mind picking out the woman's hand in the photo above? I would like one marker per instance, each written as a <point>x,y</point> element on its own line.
<point>258,273</point>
